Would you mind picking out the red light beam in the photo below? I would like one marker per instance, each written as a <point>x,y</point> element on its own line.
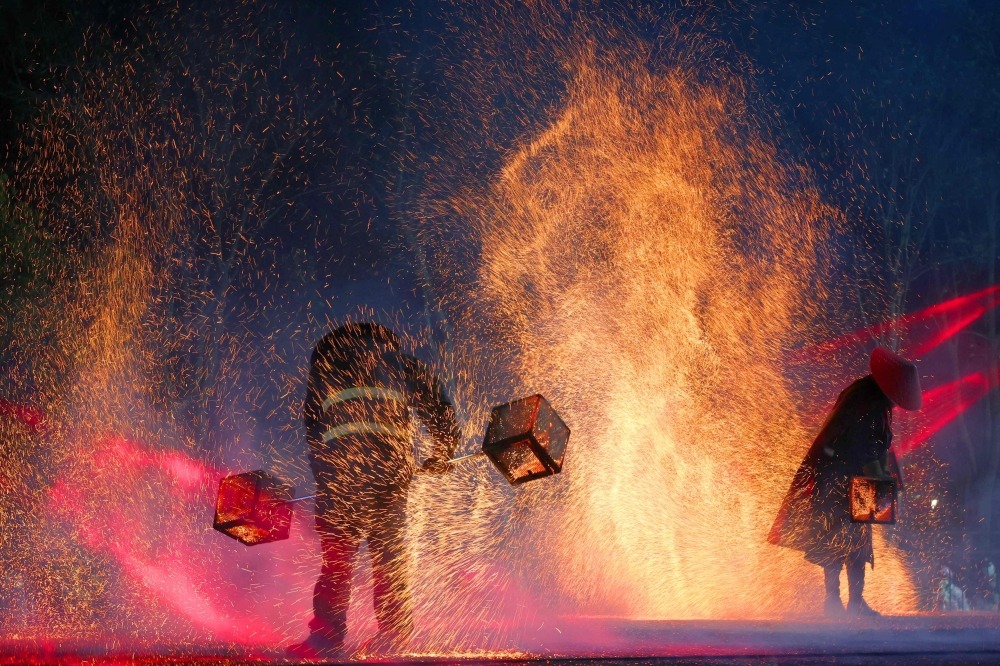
<point>942,404</point>
<point>922,331</point>
<point>170,574</point>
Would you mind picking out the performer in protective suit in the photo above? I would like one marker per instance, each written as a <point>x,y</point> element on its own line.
<point>854,441</point>
<point>357,414</point>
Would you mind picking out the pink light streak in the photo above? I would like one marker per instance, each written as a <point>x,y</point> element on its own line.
<point>950,330</point>
<point>951,316</point>
<point>942,405</point>
<point>117,462</point>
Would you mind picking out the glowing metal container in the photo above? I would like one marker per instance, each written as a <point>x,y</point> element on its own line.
<point>253,508</point>
<point>873,500</point>
<point>526,439</point>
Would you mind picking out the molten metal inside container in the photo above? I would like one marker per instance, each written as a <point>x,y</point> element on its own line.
<point>253,508</point>
<point>526,439</point>
<point>873,500</point>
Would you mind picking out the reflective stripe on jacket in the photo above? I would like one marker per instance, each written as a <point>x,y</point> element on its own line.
<point>360,401</point>
<point>362,410</point>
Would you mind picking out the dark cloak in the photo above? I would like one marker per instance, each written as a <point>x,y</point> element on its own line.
<point>815,515</point>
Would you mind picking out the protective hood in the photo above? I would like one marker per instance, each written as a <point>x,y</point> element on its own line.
<point>897,378</point>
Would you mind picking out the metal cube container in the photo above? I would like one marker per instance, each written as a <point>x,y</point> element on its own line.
<point>873,500</point>
<point>526,439</point>
<point>253,508</point>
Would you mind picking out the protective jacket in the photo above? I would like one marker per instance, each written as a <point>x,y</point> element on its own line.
<point>815,515</point>
<point>357,411</point>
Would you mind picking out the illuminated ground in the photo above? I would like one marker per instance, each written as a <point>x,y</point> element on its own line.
<point>898,635</point>
<point>954,639</point>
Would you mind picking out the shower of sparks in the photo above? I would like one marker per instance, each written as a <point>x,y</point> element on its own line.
<point>649,258</point>
<point>652,272</point>
<point>642,253</point>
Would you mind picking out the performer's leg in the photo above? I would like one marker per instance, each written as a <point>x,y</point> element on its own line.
<point>856,604</point>
<point>332,593</point>
<point>832,606</point>
<point>387,547</point>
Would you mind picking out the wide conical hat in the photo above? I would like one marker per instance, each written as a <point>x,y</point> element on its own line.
<point>897,378</point>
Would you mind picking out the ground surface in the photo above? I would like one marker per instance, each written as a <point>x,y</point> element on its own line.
<point>924,640</point>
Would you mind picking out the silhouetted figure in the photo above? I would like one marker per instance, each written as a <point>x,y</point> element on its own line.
<point>357,414</point>
<point>815,516</point>
<point>950,595</point>
<point>987,596</point>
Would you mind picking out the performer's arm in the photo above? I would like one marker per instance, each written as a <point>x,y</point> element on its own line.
<point>435,411</point>
<point>877,448</point>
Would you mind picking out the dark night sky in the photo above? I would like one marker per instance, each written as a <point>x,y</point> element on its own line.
<point>849,80</point>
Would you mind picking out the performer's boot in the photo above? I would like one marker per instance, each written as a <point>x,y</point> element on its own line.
<point>832,607</point>
<point>331,596</point>
<point>856,605</point>
<point>316,648</point>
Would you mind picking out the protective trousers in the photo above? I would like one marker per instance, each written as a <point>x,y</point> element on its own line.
<point>855,562</point>
<point>381,520</point>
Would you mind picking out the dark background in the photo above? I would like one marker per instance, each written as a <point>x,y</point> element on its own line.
<point>894,104</point>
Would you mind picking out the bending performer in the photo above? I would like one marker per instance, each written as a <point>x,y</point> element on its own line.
<point>361,391</point>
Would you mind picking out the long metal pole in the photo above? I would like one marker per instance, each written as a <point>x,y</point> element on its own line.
<point>300,499</point>
<point>464,458</point>
<point>453,461</point>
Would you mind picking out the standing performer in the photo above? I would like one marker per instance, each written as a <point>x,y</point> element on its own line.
<point>815,516</point>
<point>358,425</point>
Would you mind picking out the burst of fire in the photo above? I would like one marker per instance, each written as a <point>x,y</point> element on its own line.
<point>654,271</point>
